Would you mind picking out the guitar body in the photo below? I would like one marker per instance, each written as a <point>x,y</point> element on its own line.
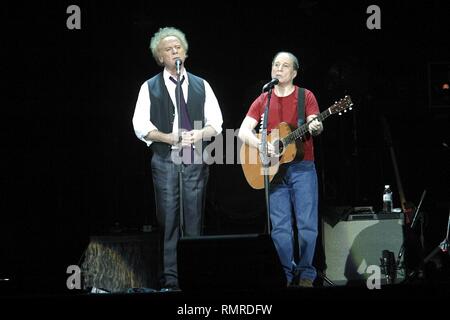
<point>251,161</point>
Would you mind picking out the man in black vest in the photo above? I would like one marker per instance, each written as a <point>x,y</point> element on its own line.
<point>174,142</point>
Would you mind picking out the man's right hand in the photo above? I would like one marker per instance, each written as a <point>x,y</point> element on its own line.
<point>270,149</point>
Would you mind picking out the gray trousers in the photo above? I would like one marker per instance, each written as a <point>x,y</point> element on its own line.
<point>167,196</point>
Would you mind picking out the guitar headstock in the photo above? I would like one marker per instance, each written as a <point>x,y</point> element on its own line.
<point>342,105</point>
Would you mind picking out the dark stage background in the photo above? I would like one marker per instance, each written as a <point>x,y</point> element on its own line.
<point>72,166</point>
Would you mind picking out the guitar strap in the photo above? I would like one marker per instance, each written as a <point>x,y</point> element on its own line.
<point>301,107</point>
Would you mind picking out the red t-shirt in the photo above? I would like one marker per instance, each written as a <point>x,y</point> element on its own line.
<point>284,109</point>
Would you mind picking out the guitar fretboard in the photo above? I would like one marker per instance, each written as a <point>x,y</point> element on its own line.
<point>302,130</point>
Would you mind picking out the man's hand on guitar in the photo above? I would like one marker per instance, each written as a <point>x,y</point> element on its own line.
<point>270,149</point>
<point>315,127</point>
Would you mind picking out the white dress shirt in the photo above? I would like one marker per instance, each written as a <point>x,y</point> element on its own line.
<point>141,119</point>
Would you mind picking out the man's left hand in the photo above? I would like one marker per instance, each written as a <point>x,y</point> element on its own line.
<point>315,127</point>
<point>191,137</point>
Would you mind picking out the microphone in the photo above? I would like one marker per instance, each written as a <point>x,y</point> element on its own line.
<point>389,266</point>
<point>270,84</point>
<point>178,64</point>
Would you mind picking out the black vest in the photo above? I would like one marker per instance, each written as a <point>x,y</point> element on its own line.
<point>162,111</point>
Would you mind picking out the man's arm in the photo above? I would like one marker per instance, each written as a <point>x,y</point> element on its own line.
<point>246,132</point>
<point>191,137</point>
<point>158,136</point>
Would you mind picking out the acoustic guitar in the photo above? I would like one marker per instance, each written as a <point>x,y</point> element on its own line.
<point>282,137</point>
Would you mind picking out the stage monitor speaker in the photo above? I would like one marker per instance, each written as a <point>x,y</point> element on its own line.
<point>354,244</point>
<point>229,262</point>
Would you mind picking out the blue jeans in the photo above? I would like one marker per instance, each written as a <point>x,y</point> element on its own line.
<point>294,200</point>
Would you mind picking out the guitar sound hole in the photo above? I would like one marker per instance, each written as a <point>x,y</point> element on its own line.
<point>279,147</point>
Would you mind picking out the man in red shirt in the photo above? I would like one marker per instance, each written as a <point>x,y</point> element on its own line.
<point>295,193</point>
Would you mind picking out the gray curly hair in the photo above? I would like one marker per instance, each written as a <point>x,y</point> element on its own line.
<point>163,33</point>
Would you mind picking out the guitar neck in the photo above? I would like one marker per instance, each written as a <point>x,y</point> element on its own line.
<point>302,130</point>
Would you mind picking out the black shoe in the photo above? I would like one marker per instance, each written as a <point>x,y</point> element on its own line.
<point>170,287</point>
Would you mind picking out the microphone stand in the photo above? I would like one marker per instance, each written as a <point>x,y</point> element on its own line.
<point>265,158</point>
<point>443,246</point>
<point>180,167</point>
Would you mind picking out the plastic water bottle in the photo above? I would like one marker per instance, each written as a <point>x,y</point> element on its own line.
<point>387,199</point>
